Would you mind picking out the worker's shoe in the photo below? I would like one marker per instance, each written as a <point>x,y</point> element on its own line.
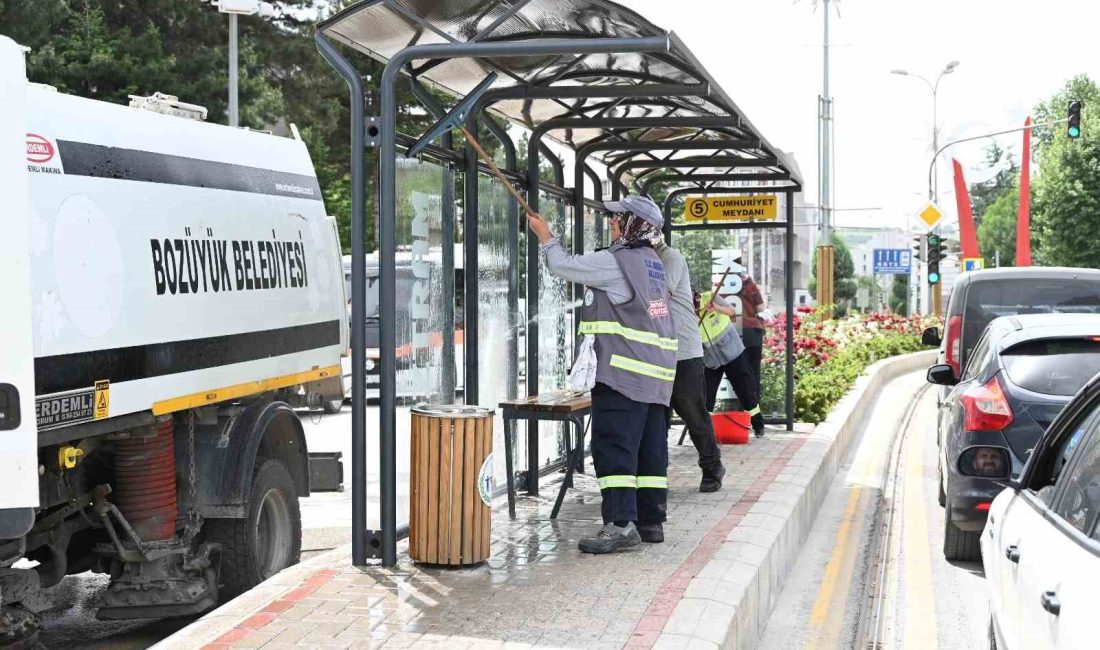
<point>759,433</point>
<point>651,533</point>
<point>758,426</point>
<point>712,478</point>
<point>611,538</point>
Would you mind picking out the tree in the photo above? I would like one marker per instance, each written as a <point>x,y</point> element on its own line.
<point>899,294</point>
<point>1066,209</point>
<point>983,195</point>
<point>997,234</point>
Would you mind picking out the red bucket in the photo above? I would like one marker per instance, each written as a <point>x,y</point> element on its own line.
<point>732,427</point>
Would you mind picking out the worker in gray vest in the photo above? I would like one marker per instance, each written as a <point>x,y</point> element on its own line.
<point>626,309</point>
<point>688,392</point>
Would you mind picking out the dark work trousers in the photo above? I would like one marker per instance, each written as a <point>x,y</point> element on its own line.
<point>689,400</point>
<point>754,351</point>
<point>744,384</point>
<point>630,454</point>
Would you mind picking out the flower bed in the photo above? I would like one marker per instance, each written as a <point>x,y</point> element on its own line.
<point>829,356</point>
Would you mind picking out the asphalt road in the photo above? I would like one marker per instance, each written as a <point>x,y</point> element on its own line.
<point>865,579</point>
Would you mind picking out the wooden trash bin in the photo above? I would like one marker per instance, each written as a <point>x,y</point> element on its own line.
<point>452,484</point>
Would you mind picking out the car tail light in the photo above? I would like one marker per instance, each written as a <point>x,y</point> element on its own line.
<point>953,344</point>
<point>984,505</point>
<point>986,408</point>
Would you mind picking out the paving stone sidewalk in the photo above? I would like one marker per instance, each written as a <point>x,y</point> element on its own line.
<point>537,589</point>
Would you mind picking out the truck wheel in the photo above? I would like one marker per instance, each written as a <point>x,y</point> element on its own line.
<point>268,540</point>
<point>333,406</point>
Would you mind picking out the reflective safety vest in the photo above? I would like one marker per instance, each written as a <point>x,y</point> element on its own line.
<point>714,325</point>
<point>721,343</point>
<point>635,341</point>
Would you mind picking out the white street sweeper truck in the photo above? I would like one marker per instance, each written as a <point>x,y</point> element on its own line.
<point>169,289</point>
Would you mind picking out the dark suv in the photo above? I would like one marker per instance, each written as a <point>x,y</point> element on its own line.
<point>1019,375</point>
<point>977,298</point>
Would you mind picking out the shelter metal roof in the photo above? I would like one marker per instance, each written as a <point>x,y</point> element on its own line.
<point>382,28</point>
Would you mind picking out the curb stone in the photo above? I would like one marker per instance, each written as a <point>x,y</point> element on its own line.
<point>754,560</point>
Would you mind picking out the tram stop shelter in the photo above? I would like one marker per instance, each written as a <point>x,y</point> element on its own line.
<point>594,86</point>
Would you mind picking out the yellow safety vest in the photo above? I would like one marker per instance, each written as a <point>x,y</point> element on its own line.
<point>714,325</point>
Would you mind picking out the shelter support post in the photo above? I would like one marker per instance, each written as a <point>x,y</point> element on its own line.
<point>788,290</point>
<point>358,306</point>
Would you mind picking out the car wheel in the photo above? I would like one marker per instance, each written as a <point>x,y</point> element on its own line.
<point>942,499</point>
<point>333,406</point>
<point>268,540</point>
<point>960,544</point>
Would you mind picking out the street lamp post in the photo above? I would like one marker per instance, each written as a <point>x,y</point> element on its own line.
<point>934,189</point>
<point>935,88</point>
<point>237,8</point>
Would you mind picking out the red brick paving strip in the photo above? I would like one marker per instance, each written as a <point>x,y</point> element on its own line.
<point>271,611</point>
<point>648,629</point>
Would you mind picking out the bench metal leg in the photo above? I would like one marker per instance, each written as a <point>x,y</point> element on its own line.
<point>576,457</point>
<point>509,463</point>
<point>683,434</point>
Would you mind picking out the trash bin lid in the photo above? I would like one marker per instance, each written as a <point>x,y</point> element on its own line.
<point>453,410</point>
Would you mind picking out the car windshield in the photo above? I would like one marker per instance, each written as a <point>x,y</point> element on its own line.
<point>989,299</point>
<point>1053,366</point>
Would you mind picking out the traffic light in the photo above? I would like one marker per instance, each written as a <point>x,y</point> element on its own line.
<point>937,250</point>
<point>919,248</point>
<point>1073,127</point>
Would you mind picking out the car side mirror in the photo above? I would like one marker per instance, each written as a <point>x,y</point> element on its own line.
<point>931,337</point>
<point>986,462</point>
<point>942,374</point>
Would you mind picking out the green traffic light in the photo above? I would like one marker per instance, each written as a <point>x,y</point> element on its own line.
<point>1074,132</point>
<point>933,278</point>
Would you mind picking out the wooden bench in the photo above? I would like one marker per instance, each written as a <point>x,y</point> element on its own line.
<point>559,406</point>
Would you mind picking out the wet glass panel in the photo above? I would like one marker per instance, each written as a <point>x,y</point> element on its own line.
<point>555,327</point>
<point>500,339</point>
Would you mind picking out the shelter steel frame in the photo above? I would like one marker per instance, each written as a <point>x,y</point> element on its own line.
<point>382,543</point>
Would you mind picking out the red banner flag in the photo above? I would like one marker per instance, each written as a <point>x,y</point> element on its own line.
<point>968,238</point>
<point>1023,217</point>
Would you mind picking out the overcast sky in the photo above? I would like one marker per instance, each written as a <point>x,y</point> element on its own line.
<point>767,55</point>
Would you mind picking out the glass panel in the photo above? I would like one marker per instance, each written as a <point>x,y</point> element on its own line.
<point>499,341</point>
<point>556,328</point>
<point>708,253</point>
<point>1053,366</point>
<point>990,299</point>
<point>1080,499</point>
<point>420,314</point>
<point>419,317</point>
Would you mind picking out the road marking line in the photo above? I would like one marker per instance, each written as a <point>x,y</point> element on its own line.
<point>920,606</point>
<point>827,616</point>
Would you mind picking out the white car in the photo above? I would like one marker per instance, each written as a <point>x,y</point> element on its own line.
<point>1041,543</point>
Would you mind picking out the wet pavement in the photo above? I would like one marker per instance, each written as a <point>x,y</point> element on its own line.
<point>536,589</point>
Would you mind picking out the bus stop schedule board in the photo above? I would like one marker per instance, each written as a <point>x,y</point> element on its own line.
<point>731,208</point>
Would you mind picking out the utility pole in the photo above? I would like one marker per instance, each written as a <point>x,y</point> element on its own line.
<point>825,280</point>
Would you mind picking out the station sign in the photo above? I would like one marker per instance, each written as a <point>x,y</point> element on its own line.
<point>892,261</point>
<point>761,207</point>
